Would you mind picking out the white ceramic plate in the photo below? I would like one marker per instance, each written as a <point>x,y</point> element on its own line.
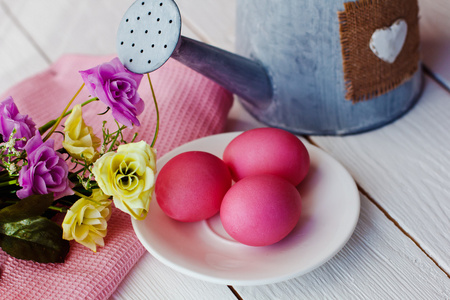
<point>204,250</point>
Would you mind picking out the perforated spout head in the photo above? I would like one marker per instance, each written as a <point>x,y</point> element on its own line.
<point>148,34</point>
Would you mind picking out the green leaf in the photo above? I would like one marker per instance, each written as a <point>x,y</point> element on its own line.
<point>32,206</point>
<point>36,238</point>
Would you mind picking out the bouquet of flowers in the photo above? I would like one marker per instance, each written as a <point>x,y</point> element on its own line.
<point>79,180</point>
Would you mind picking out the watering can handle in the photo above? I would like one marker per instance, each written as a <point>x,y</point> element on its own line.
<point>244,77</point>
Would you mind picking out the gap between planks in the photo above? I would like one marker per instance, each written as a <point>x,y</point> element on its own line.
<point>371,199</point>
<point>437,78</point>
<point>235,293</point>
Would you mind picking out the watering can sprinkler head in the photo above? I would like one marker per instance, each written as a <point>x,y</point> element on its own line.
<point>150,33</point>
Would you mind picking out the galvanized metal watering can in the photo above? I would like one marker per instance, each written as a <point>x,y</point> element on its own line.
<point>294,64</point>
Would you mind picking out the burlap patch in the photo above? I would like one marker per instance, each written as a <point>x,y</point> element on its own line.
<point>367,76</point>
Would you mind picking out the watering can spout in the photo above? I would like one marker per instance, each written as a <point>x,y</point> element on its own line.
<point>149,34</point>
<point>246,78</point>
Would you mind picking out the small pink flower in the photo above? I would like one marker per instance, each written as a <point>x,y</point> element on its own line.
<point>117,87</point>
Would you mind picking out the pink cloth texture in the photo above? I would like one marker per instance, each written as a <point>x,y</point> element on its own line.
<point>191,106</point>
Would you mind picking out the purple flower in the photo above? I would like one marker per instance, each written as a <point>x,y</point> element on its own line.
<point>46,172</point>
<point>116,87</point>
<point>10,118</point>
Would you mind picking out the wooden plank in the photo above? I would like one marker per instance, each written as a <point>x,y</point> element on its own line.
<point>404,167</point>
<point>378,262</point>
<point>18,57</point>
<point>59,27</point>
<point>212,21</point>
<point>435,37</point>
<point>150,279</point>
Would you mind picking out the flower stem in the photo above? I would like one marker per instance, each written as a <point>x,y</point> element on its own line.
<point>10,202</point>
<point>49,124</point>
<point>62,115</point>
<point>118,132</point>
<point>157,112</point>
<point>60,209</point>
<point>5,177</point>
<point>64,202</point>
<point>8,183</point>
<point>86,197</point>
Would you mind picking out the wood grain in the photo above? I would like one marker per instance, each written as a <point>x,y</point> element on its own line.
<point>18,56</point>
<point>60,27</point>
<point>435,13</point>
<point>378,262</point>
<point>150,279</point>
<point>404,167</point>
<point>211,21</point>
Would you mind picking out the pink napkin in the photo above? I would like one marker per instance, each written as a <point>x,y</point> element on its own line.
<point>191,107</point>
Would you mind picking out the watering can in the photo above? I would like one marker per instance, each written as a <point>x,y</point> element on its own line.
<point>289,70</point>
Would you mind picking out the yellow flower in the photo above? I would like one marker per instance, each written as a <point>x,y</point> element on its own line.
<point>85,221</point>
<point>129,176</point>
<point>79,139</point>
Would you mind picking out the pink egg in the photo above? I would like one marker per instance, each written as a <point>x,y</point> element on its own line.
<point>267,151</point>
<point>190,187</point>
<point>260,210</point>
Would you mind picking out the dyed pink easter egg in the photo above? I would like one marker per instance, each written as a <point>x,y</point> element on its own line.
<point>267,151</point>
<point>190,187</point>
<point>260,210</point>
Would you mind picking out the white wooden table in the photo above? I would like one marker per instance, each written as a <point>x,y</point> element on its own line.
<point>401,246</point>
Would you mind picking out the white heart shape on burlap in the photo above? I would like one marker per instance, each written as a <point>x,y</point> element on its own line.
<point>386,43</point>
